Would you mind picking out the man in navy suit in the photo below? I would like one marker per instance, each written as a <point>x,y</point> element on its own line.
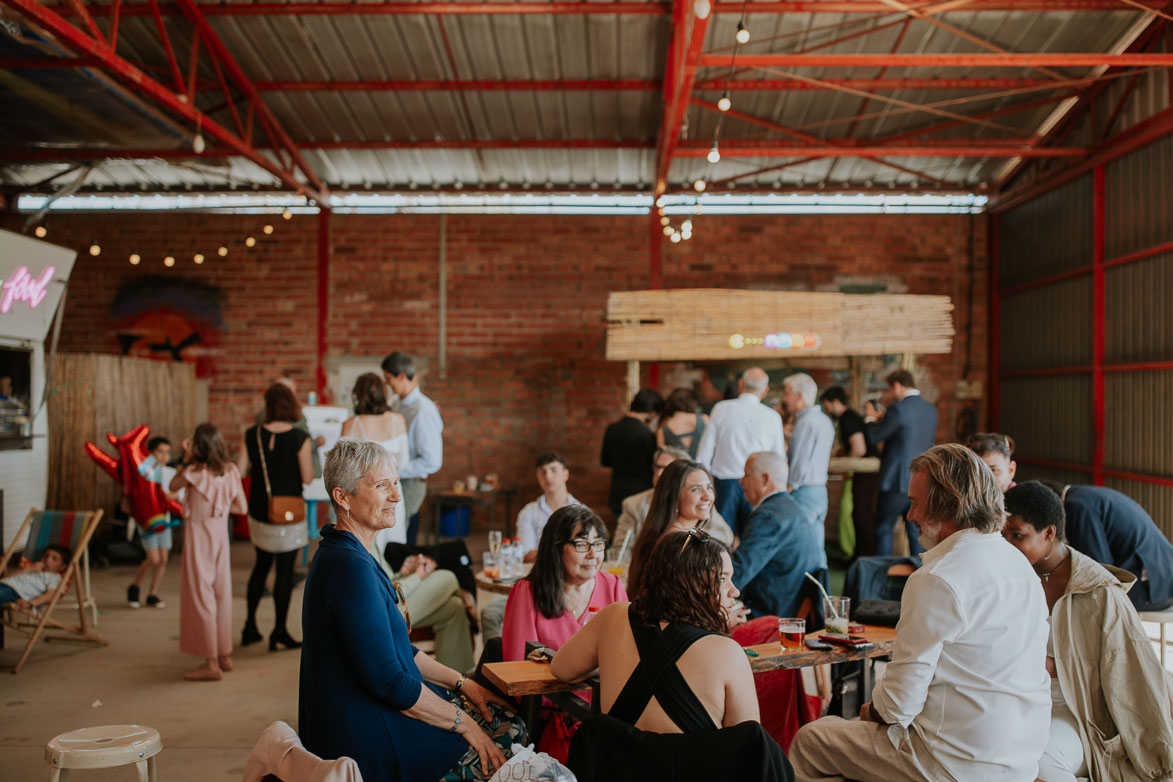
<point>779,540</point>
<point>907,430</point>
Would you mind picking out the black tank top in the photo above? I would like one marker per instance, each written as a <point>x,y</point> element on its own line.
<point>284,472</point>
<point>657,675</point>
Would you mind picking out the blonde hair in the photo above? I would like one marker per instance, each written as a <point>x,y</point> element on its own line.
<point>961,489</point>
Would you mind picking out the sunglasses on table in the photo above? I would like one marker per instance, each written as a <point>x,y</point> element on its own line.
<point>582,546</point>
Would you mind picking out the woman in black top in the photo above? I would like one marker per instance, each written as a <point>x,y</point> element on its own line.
<point>289,464</point>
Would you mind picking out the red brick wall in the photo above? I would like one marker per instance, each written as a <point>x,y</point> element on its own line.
<point>526,296</point>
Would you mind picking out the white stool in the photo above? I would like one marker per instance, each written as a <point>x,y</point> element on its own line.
<point>1162,618</point>
<point>104,747</point>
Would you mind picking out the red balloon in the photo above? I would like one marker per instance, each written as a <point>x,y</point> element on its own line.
<point>148,503</point>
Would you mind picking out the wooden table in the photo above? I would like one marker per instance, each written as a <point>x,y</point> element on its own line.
<point>530,680</point>
<point>492,585</point>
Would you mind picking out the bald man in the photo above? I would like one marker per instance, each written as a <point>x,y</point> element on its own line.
<point>737,428</point>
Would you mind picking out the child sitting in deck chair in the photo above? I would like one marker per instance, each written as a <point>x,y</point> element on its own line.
<point>35,584</point>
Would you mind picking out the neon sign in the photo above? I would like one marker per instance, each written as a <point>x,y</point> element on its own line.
<point>779,341</point>
<point>21,286</point>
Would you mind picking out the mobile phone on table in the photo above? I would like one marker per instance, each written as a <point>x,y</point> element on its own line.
<point>818,646</point>
<point>842,639</point>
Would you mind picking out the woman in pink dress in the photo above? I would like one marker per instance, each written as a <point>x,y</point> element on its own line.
<point>213,490</point>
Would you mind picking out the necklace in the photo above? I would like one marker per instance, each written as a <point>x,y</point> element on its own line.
<point>1044,577</point>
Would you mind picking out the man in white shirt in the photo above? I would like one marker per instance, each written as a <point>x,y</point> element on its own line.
<point>967,695</point>
<point>810,454</point>
<point>425,438</point>
<point>737,428</point>
<point>552,477</point>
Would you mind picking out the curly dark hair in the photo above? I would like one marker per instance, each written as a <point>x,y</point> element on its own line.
<point>1038,506</point>
<point>548,575</point>
<point>281,404</point>
<point>661,515</point>
<point>369,396</point>
<point>683,582</point>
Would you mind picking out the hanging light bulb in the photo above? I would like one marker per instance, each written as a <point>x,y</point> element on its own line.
<point>742,35</point>
<point>686,226</point>
<point>668,230</point>
<point>250,241</point>
<point>675,237</point>
<point>287,215</point>
<point>222,251</point>
<point>41,232</point>
<point>95,249</point>
<point>702,8</point>
<point>724,104</point>
<point>268,229</point>
<point>699,185</point>
<point>198,145</point>
<point>714,155</point>
<point>135,259</point>
<point>169,261</point>
<point>198,258</point>
<point>665,220</point>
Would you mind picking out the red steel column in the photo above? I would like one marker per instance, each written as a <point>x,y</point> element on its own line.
<point>323,295</point>
<point>994,329</point>
<point>1098,329</point>
<point>656,264</point>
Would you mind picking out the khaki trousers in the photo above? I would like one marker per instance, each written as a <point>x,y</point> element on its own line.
<point>436,603</point>
<point>832,748</point>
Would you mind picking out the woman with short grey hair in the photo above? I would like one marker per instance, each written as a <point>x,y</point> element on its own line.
<point>366,692</point>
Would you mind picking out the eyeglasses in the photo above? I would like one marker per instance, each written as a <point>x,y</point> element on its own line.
<point>697,533</point>
<point>583,546</point>
<point>401,601</point>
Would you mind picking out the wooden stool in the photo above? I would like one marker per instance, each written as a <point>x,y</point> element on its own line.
<point>104,747</point>
<point>1162,618</point>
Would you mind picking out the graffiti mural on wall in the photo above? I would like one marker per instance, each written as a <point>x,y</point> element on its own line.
<point>170,320</point>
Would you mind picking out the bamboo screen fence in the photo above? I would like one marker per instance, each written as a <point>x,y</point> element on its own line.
<point>92,394</point>
<point>723,324</point>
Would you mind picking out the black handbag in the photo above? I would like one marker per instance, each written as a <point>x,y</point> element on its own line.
<point>885,613</point>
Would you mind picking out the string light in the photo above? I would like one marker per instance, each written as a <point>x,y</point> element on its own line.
<point>714,155</point>
<point>724,104</point>
<point>95,249</point>
<point>250,241</point>
<point>675,237</point>
<point>287,215</point>
<point>742,35</point>
<point>268,229</point>
<point>135,259</point>
<point>169,261</point>
<point>665,220</point>
<point>222,251</point>
<point>41,232</point>
<point>699,185</point>
<point>668,231</point>
<point>198,145</point>
<point>198,258</point>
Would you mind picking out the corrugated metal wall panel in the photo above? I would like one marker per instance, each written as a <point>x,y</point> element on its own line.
<point>1157,500</point>
<point>1138,422</point>
<point>1138,309</point>
<point>1136,203</point>
<point>1033,472</point>
<point>1048,327</point>
<point>1049,235</point>
<point>1049,417</point>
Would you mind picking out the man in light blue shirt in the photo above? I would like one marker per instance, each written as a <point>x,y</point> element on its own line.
<point>425,437</point>
<point>810,453</point>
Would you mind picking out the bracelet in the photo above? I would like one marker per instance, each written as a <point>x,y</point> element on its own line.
<point>459,684</point>
<point>456,726</point>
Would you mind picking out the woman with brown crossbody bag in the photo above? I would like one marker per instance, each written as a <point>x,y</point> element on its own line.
<point>276,456</point>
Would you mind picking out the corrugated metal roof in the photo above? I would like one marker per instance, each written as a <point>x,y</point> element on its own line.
<point>324,48</point>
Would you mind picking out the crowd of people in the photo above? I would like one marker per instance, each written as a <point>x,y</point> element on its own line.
<point>1019,654</point>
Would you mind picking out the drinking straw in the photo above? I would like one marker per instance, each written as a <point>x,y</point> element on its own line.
<point>623,548</point>
<point>825,595</point>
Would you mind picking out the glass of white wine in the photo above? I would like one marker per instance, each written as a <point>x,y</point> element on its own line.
<point>494,542</point>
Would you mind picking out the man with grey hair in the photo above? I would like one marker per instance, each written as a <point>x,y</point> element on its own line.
<point>967,694</point>
<point>425,439</point>
<point>776,545</point>
<point>737,428</point>
<point>810,452</point>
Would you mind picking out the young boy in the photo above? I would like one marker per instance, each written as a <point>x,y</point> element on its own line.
<point>35,584</point>
<point>157,545</point>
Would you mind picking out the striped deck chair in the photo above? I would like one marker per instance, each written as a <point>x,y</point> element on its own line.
<point>68,528</point>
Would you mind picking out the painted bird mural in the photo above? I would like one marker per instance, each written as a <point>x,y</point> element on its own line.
<point>148,504</point>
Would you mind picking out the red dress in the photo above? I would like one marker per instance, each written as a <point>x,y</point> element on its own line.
<point>783,704</point>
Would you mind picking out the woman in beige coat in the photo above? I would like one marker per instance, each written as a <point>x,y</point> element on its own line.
<point>1111,709</point>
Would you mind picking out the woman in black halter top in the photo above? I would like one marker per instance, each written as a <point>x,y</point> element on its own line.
<point>665,661</point>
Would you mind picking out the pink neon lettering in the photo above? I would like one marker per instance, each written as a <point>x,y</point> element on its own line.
<point>22,287</point>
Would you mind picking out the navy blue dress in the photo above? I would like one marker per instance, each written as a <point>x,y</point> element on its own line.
<point>358,672</point>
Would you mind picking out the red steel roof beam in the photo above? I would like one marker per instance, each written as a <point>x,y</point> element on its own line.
<point>785,85</point>
<point>72,37</point>
<point>926,60</point>
<point>962,149</point>
<point>624,8</point>
<point>401,85</point>
<point>688,37</point>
